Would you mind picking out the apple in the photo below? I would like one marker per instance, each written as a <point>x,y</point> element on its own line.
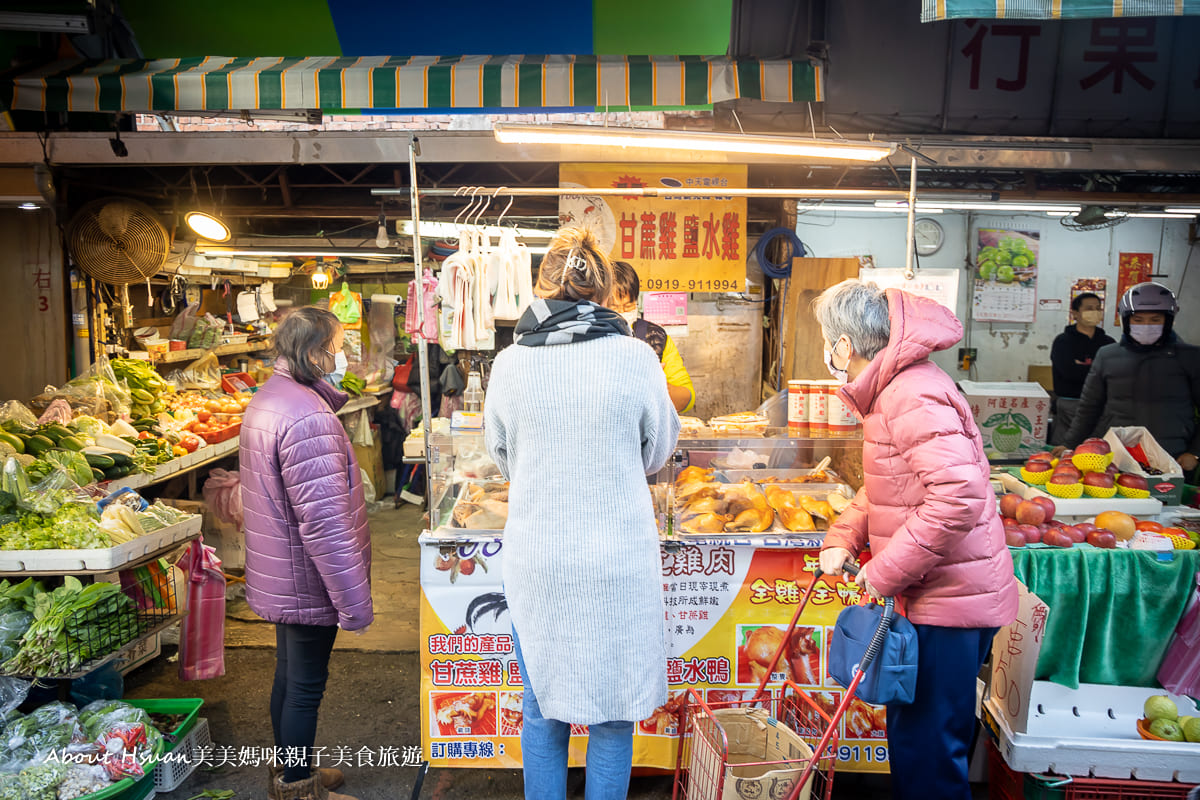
<point>1032,533</point>
<point>1037,464</point>
<point>1102,538</point>
<point>1096,446</point>
<point>1056,523</point>
<point>1013,538</point>
<point>1086,527</point>
<point>1065,455</point>
<point>1065,478</point>
<point>1047,504</point>
<point>1130,481</point>
<point>1009,522</point>
<point>1076,535</point>
<point>1101,479</point>
<point>1111,469</point>
<point>1030,513</point>
<point>1057,538</point>
<point>1069,469</point>
<point>1009,503</point>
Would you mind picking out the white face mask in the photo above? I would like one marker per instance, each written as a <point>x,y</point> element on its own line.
<point>340,363</point>
<point>840,375</point>
<point>1145,334</point>
<point>630,317</point>
<point>1090,318</point>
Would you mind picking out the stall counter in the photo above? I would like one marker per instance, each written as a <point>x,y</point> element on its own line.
<point>717,591</point>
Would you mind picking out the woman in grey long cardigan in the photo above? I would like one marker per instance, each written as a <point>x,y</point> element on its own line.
<point>577,413</point>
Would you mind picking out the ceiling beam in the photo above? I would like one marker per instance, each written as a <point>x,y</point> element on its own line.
<point>479,147</point>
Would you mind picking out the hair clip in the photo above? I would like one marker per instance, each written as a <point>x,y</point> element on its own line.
<point>575,262</point>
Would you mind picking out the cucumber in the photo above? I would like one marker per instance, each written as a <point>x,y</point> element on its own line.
<point>121,460</point>
<point>38,444</point>
<point>13,441</point>
<point>97,475</point>
<point>71,443</point>
<point>141,396</point>
<point>99,462</point>
<point>112,473</point>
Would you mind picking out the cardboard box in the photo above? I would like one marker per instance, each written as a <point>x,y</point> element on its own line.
<point>1167,487</point>
<point>143,653</point>
<point>1012,417</point>
<point>754,737</point>
<point>371,460</point>
<point>1014,659</point>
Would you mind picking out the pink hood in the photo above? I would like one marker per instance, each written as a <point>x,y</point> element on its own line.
<point>926,508</point>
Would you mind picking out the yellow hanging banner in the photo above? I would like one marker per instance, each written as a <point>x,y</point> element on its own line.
<point>676,244</point>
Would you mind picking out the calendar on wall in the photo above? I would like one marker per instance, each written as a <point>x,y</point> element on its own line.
<point>1006,267</point>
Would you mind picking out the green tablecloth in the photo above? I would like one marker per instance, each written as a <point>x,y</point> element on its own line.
<point>1112,612</point>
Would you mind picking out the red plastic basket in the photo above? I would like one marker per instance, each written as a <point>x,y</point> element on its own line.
<point>1005,784</point>
<point>226,433</point>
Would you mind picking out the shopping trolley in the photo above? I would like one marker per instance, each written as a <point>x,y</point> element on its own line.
<point>804,770</point>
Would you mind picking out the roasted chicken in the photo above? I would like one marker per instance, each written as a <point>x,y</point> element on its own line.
<point>818,508</point>
<point>704,523</point>
<point>689,474</point>
<point>749,508</point>
<point>793,517</point>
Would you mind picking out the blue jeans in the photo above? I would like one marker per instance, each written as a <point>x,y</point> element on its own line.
<point>544,752</point>
<point>301,670</point>
<point>929,740</point>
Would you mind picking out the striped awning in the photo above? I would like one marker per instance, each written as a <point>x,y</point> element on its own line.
<point>934,10</point>
<point>416,82</point>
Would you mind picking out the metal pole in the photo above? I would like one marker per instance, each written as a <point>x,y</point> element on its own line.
<point>909,249</point>
<point>422,346</point>
<point>652,191</point>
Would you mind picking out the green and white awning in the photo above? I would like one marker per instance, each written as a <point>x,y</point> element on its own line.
<point>934,10</point>
<point>416,82</point>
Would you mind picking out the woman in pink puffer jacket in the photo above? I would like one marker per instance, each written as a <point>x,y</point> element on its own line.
<point>308,550</point>
<point>927,511</point>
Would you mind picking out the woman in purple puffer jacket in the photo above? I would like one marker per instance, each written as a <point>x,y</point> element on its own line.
<point>308,550</point>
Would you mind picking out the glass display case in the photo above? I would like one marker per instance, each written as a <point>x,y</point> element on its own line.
<point>772,473</point>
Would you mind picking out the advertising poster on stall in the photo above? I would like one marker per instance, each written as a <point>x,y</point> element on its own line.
<point>1132,269</point>
<point>694,243</point>
<point>1006,267</point>
<point>726,607</point>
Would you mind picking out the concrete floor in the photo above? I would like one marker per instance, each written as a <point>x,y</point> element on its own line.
<point>372,700</point>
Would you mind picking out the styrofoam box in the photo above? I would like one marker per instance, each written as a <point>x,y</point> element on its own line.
<point>1092,731</point>
<point>98,559</point>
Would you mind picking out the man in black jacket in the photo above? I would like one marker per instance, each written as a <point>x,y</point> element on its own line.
<point>1071,358</point>
<point>1151,378</point>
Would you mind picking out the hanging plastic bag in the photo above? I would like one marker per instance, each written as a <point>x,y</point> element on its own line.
<point>360,430</point>
<point>202,638</point>
<point>223,494</point>
<point>185,323</point>
<point>430,331</point>
<point>347,306</point>
<point>204,374</point>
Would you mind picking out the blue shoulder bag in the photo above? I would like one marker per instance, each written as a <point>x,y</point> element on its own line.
<point>884,645</point>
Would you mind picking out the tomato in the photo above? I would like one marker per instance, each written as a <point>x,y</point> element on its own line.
<point>200,428</point>
<point>1150,525</point>
<point>204,416</point>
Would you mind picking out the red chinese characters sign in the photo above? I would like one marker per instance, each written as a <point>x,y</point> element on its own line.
<point>1132,269</point>
<point>695,243</point>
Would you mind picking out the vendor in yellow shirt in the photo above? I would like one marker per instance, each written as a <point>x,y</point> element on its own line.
<point>623,300</point>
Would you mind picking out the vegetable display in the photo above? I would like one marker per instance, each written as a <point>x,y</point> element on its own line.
<point>146,386</point>
<point>71,625</point>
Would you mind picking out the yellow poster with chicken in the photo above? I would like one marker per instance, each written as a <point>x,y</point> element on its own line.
<point>677,243</point>
<point>726,606</point>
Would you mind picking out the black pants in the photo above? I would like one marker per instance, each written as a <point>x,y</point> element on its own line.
<point>301,669</point>
<point>929,740</point>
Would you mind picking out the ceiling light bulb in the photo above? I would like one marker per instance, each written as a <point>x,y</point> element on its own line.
<point>381,237</point>
<point>320,279</point>
<point>207,226</point>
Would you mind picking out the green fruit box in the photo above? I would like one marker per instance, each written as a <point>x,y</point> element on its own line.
<point>1131,445</point>
<point>1012,417</point>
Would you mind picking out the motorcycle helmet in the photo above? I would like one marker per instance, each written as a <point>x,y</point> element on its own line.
<point>1148,296</point>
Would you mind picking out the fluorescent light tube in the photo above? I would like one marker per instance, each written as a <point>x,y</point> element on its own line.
<point>596,136</point>
<point>444,229</point>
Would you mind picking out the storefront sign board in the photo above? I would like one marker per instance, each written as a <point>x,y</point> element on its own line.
<point>716,596</point>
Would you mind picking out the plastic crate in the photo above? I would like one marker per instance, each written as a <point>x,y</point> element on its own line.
<point>185,757</point>
<point>189,706</point>
<point>1006,784</point>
